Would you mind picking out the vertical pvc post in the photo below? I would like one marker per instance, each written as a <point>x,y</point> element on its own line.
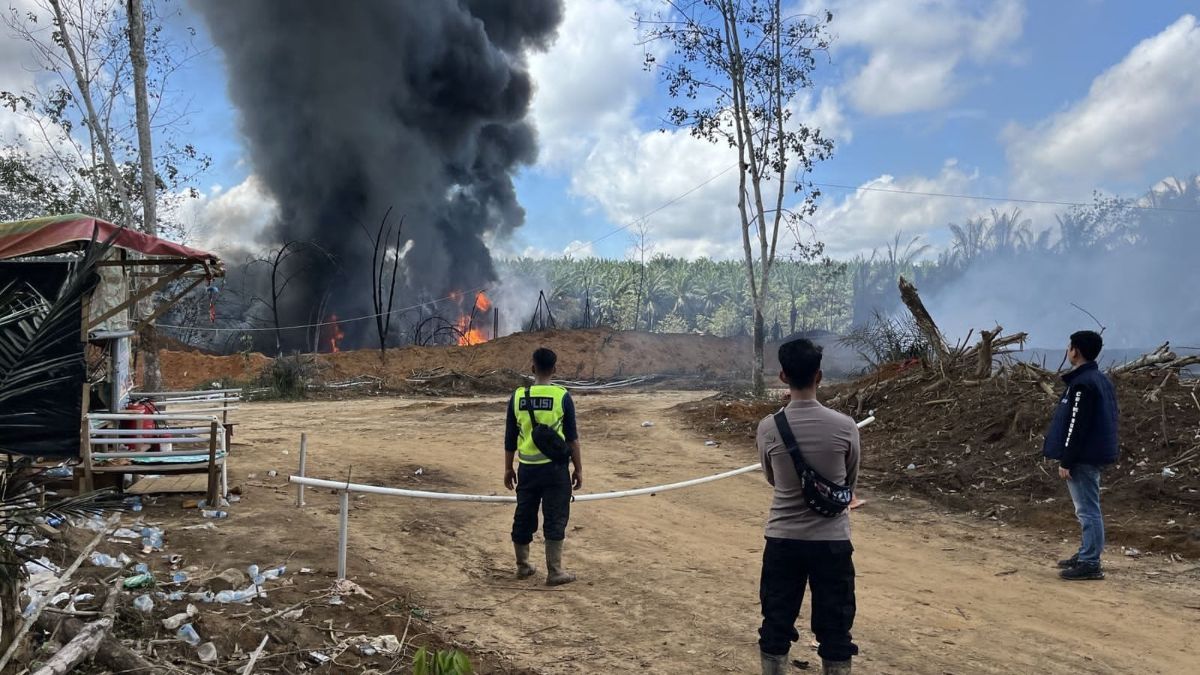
<point>343,532</point>
<point>303,458</point>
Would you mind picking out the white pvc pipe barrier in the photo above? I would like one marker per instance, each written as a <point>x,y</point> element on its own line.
<point>344,489</point>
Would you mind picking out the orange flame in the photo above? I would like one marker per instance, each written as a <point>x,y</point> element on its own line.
<point>468,334</point>
<point>336,334</point>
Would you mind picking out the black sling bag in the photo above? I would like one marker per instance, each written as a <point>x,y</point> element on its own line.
<point>820,494</point>
<point>545,437</point>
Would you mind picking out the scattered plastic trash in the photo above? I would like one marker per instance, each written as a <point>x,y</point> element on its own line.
<point>54,521</point>
<point>174,596</point>
<point>420,471</point>
<point>272,473</point>
<point>202,596</point>
<point>214,514</point>
<point>104,560</point>
<point>59,472</point>
<point>244,595</point>
<point>911,467</point>
<point>180,578</point>
<point>143,604</point>
<point>1132,552</point>
<point>125,533</point>
<point>138,581</point>
<point>294,615</point>
<point>202,526</point>
<point>188,634</point>
<point>233,499</point>
<point>347,587</point>
<point>141,568</point>
<point>711,444</point>
<point>309,570</point>
<point>152,539</point>
<point>1168,472</point>
<point>318,657</point>
<point>207,653</point>
<point>647,423</point>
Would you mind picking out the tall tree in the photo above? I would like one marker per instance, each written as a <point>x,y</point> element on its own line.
<point>148,342</point>
<point>736,69</point>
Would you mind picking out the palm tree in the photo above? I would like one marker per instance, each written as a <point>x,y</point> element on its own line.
<point>40,358</point>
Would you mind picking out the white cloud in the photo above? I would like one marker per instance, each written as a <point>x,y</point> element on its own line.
<point>863,220</point>
<point>576,249</point>
<point>225,220</point>
<point>589,81</point>
<point>916,48</point>
<point>1137,118</point>
<point>586,110</point>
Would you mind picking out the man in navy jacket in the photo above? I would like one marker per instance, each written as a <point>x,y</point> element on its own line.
<point>1083,438</point>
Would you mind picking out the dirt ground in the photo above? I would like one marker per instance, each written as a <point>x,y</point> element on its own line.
<point>668,584</point>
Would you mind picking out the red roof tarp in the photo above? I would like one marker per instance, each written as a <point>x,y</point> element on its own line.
<point>56,234</point>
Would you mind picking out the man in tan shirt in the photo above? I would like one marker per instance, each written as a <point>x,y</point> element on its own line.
<point>805,548</point>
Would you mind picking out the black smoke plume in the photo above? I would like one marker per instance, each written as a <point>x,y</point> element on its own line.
<point>352,108</point>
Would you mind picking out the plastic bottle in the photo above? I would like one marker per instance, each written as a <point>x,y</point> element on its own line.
<point>214,514</point>
<point>103,560</point>
<point>274,572</point>
<point>139,581</point>
<point>152,537</point>
<point>141,568</point>
<point>188,634</point>
<point>180,578</point>
<point>143,604</point>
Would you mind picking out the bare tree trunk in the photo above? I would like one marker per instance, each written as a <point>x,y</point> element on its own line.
<point>984,370</point>
<point>148,342</point>
<point>93,119</point>
<point>908,293</point>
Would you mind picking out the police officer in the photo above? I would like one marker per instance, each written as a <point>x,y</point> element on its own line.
<point>539,480</point>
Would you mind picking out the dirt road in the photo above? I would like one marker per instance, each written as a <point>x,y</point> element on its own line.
<point>668,584</point>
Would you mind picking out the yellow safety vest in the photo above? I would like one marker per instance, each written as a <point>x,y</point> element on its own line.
<point>547,408</point>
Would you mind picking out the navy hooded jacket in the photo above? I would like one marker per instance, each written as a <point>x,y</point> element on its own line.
<point>1084,427</point>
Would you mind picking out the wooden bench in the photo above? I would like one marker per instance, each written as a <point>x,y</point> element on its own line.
<point>219,402</point>
<point>197,444</point>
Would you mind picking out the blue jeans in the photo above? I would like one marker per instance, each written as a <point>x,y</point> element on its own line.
<point>1084,485</point>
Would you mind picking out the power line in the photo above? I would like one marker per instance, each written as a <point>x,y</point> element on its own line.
<point>987,198</point>
<point>651,212</point>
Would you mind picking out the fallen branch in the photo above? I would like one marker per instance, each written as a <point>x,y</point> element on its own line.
<point>86,642</point>
<point>58,584</point>
<point>1153,359</point>
<point>255,655</point>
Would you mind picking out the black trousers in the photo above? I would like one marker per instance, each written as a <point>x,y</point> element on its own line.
<point>547,485</point>
<point>828,569</point>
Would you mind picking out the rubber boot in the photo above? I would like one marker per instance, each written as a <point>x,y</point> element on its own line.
<point>835,667</point>
<point>774,664</point>
<point>524,569</point>
<point>555,574</point>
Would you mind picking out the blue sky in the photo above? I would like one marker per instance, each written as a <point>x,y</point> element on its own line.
<point>1039,100</point>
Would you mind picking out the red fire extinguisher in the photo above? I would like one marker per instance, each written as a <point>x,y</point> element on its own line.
<point>143,407</point>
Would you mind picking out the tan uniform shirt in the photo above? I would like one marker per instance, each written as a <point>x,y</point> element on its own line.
<point>829,443</point>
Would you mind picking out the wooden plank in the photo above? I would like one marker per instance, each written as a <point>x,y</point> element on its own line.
<point>190,467</point>
<point>214,475</point>
<point>169,485</point>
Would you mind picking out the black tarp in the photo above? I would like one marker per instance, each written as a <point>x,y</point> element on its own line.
<point>45,423</point>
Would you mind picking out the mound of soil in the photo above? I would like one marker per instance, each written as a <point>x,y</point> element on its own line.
<point>976,446</point>
<point>582,354</point>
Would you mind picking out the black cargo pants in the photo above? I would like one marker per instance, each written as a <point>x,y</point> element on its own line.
<point>548,486</point>
<point>827,568</point>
